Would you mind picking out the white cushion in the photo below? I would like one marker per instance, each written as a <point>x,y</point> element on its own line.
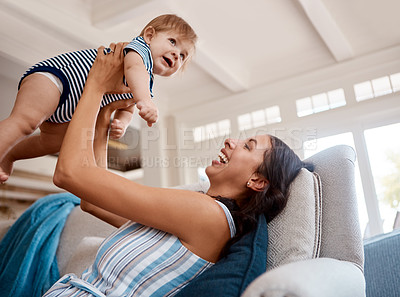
<point>312,278</point>
<point>295,234</point>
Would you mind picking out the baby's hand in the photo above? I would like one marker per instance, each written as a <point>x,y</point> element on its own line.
<point>148,111</point>
<point>117,129</point>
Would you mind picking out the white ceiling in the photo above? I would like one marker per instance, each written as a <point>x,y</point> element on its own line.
<point>242,44</point>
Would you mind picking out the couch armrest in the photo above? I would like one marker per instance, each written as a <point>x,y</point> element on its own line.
<point>78,226</point>
<point>310,278</point>
<point>84,255</point>
<point>340,234</point>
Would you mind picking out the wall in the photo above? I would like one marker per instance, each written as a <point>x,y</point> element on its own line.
<point>8,88</point>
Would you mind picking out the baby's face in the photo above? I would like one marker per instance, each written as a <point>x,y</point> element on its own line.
<point>169,52</point>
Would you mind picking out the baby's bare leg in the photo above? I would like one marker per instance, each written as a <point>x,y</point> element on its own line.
<point>47,142</point>
<point>36,101</point>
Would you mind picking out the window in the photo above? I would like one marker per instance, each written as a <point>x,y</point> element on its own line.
<point>259,118</point>
<point>363,91</point>
<point>320,102</point>
<point>199,134</point>
<point>244,122</point>
<point>212,130</point>
<point>395,81</point>
<point>273,114</point>
<point>381,86</point>
<point>304,107</point>
<point>224,127</point>
<point>377,87</point>
<point>314,146</point>
<point>336,98</point>
<point>384,154</point>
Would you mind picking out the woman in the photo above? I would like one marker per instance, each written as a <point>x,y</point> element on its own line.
<point>178,233</point>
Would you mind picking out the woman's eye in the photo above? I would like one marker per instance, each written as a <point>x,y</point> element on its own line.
<point>173,42</point>
<point>182,57</point>
<point>246,146</point>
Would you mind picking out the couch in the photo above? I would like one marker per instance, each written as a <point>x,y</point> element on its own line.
<point>382,268</point>
<point>315,246</point>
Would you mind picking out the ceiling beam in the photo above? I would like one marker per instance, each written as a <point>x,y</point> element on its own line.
<point>220,73</point>
<point>327,28</point>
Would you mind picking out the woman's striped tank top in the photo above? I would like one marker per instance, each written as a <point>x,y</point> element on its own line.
<point>137,260</point>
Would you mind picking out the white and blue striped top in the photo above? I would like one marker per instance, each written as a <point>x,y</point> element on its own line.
<point>137,260</point>
<point>73,68</point>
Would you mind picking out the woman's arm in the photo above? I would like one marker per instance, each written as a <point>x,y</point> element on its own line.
<point>193,217</point>
<point>100,151</point>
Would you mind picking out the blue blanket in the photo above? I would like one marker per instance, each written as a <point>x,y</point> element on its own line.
<point>28,264</point>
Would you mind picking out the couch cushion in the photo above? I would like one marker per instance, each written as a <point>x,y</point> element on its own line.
<point>294,234</point>
<point>84,255</point>
<point>341,237</point>
<point>78,226</point>
<point>381,268</point>
<point>231,275</point>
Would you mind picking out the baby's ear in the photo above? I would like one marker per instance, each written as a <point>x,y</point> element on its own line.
<point>148,34</point>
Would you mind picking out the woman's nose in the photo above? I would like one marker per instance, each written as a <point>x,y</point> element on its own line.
<point>231,143</point>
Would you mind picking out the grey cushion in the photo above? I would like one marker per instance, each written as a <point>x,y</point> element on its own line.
<point>295,233</point>
<point>340,234</point>
<point>78,226</point>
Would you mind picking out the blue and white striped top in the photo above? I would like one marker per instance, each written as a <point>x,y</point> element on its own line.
<point>73,68</point>
<point>137,260</point>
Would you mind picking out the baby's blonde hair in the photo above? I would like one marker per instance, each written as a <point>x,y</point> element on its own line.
<point>171,22</point>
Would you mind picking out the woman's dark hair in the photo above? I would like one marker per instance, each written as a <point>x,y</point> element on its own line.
<point>280,167</point>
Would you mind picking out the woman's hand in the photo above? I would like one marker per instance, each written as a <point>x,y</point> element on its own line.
<point>106,74</point>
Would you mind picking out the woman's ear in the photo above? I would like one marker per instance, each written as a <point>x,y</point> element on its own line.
<point>148,34</point>
<point>257,183</point>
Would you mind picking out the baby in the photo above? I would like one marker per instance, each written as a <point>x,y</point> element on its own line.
<point>49,91</point>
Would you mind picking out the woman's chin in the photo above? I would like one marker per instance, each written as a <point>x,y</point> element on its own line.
<point>214,168</point>
<point>209,170</point>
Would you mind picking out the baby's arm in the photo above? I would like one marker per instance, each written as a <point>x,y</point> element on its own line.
<point>122,118</point>
<point>138,78</point>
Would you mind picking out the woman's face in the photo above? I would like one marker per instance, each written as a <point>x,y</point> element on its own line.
<point>238,160</point>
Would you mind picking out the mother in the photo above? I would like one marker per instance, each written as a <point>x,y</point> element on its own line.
<point>166,237</point>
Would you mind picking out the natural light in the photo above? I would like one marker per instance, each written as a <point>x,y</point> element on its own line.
<point>383,146</point>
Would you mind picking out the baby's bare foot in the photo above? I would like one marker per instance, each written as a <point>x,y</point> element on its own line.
<point>6,166</point>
